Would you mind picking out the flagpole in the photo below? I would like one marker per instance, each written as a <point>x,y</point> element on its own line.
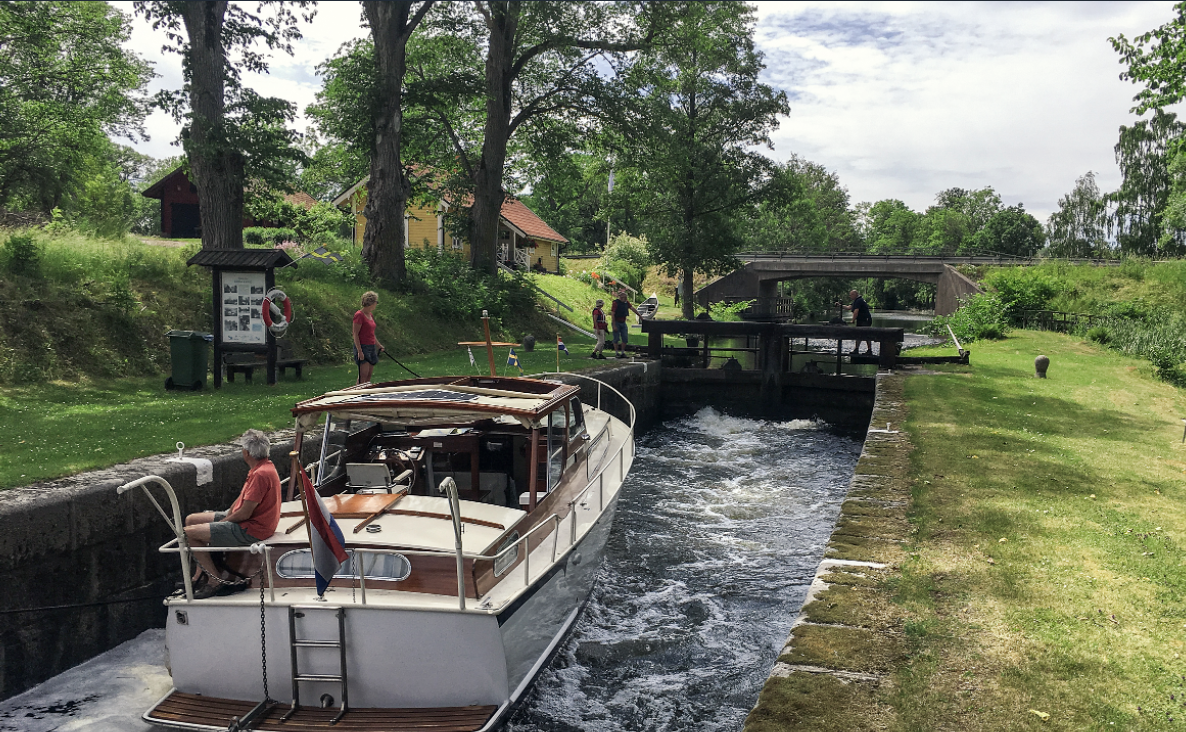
<point>489,345</point>
<point>557,353</point>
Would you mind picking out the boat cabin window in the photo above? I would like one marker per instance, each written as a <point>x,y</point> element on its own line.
<point>298,564</point>
<point>557,444</point>
<point>576,417</point>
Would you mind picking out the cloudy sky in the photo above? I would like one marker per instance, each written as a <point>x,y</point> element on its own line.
<point>901,99</point>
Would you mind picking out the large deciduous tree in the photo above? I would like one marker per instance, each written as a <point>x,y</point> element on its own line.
<point>65,84</point>
<point>232,136</point>
<point>1143,153</point>
<point>696,111</point>
<point>538,67</point>
<point>392,24</point>
<point>1079,227</point>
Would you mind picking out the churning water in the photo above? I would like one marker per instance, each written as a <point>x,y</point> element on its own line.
<point>719,530</point>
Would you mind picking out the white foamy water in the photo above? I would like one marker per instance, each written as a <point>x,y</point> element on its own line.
<point>719,530</point>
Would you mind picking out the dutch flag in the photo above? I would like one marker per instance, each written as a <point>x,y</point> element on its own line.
<point>560,345</point>
<point>325,537</point>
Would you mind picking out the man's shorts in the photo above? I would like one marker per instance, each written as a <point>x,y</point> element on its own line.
<point>228,533</point>
<point>621,332</point>
<point>370,354</point>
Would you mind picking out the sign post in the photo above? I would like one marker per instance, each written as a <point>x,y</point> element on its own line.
<point>241,278</point>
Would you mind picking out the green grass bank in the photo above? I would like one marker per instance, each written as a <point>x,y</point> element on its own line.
<point>75,308</point>
<point>1037,568</point>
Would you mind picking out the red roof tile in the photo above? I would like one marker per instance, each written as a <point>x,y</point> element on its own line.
<point>517,214</point>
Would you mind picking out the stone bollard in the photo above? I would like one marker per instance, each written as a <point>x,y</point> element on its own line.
<point>529,343</point>
<point>1041,363</point>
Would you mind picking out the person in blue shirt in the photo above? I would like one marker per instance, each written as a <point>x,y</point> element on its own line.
<point>620,310</point>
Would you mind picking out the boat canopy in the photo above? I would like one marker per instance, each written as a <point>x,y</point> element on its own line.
<point>448,398</point>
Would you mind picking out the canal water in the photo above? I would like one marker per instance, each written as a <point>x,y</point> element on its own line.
<point>720,526</point>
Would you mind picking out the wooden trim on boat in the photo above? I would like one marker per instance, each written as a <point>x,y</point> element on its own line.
<point>190,711</point>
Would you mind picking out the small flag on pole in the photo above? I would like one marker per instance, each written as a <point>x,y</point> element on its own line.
<point>560,345</point>
<point>325,256</point>
<point>513,360</point>
<point>325,537</point>
<point>472,362</point>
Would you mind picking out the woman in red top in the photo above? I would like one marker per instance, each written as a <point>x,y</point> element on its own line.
<point>366,347</point>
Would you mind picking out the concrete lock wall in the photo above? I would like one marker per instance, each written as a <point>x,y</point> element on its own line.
<point>79,564</point>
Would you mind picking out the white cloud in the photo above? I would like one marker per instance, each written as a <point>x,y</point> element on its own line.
<point>906,99</point>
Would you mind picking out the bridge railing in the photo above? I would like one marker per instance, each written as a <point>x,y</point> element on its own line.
<point>995,259</point>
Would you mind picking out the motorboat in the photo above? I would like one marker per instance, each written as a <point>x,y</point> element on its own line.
<point>474,512</point>
<point>647,308</point>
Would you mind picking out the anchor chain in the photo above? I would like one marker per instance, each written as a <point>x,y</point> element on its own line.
<point>263,643</point>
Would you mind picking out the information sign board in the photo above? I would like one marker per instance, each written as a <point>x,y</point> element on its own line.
<point>241,308</point>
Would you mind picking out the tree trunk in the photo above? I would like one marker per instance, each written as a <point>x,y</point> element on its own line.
<point>503,22</point>
<point>216,170</point>
<point>389,187</point>
<point>685,286</point>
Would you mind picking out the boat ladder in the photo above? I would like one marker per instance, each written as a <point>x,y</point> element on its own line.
<point>299,611</point>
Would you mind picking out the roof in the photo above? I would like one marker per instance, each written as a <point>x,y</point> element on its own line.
<point>514,213</point>
<point>452,398</point>
<point>241,258</point>
<point>302,199</point>
<point>517,213</point>
<point>157,190</point>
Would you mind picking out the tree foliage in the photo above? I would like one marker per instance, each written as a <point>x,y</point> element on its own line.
<point>804,209</point>
<point>66,82</point>
<point>1079,227</point>
<point>697,111</point>
<point>1143,152</point>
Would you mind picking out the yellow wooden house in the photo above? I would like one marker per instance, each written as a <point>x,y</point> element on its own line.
<point>525,241</point>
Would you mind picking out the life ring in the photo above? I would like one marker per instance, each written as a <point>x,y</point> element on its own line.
<point>275,318</point>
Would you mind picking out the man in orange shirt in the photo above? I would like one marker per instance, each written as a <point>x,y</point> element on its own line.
<point>252,518</point>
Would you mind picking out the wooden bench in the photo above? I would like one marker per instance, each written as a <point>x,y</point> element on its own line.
<point>247,363</point>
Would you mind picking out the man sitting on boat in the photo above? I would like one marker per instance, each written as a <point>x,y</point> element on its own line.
<point>252,518</point>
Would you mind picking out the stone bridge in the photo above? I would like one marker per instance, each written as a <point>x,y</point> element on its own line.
<point>760,275</point>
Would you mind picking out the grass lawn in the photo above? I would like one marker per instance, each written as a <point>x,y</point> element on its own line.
<point>61,428</point>
<point>1047,573</point>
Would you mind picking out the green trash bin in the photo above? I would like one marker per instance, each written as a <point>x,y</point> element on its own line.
<point>188,352</point>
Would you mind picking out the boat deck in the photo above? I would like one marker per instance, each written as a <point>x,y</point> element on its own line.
<point>190,711</point>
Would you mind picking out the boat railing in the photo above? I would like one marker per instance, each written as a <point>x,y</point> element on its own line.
<point>598,480</point>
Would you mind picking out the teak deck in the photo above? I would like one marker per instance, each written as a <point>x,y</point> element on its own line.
<point>194,709</point>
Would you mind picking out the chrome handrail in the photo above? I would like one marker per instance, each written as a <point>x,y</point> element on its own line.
<point>177,524</point>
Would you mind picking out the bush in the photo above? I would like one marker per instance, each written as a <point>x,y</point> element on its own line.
<point>1021,289</point>
<point>1099,334</point>
<point>625,259</point>
<point>453,289</point>
<point>980,317</point>
<point>268,236</point>
<point>22,255</point>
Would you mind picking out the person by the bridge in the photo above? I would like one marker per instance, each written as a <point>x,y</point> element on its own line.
<point>252,518</point>
<point>862,317</point>
<point>621,311</point>
<point>600,326</point>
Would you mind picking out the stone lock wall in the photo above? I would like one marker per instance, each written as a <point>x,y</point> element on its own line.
<point>79,565</point>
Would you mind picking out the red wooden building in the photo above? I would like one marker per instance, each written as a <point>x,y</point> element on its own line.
<point>180,217</point>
